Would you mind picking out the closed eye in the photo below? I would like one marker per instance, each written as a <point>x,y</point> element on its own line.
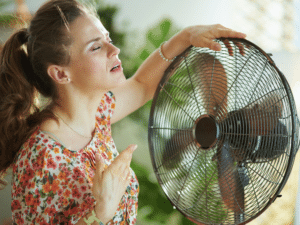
<point>94,49</point>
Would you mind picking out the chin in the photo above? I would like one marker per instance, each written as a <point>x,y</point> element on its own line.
<point>116,83</point>
<point>120,80</point>
<point>123,79</point>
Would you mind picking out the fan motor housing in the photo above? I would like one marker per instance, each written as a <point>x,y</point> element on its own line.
<point>206,131</point>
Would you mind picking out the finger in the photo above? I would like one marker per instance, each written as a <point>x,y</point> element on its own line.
<point>122,161</point>
<point>220,32</point>
<point>241,47</point>
<point>125,175</point>
<point>125,156</point>
<point>99,166</point>
<point>221,26</point>
<point>98,174</point>
<point>128,157</point>
<point>208,43</point>
<point>248,46</point>
<point>228,46</point>
<point>99,169</point>
<point>128,177</point>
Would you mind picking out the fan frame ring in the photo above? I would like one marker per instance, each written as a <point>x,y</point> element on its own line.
<point>292,109</point>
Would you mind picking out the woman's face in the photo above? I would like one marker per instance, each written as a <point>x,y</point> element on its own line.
<point>94,62</point>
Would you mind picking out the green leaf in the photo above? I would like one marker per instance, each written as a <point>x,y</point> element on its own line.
<point>7,20</point>
<point>159,33</point>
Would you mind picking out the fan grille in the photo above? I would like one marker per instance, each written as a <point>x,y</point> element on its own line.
<point>203,88</point>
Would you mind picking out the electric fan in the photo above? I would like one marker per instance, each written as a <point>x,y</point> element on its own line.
<point>223,132</point>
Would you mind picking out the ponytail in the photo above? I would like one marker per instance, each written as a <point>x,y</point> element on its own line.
<point>17,96</point>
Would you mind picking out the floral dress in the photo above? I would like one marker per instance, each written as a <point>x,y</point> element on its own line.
<point>52,184</point>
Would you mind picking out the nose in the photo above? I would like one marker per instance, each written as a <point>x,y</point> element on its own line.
<point>112,50</point>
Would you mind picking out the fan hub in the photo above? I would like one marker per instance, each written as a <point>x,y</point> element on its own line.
<point>206,131</point>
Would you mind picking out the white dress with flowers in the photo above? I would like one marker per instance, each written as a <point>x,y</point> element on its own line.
<point>52,184</point>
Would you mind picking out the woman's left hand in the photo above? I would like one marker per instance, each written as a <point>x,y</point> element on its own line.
<point>204,35</point>
<point>139,89</point>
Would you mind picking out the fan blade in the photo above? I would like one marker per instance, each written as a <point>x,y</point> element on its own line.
<point>175,148</point>
<point>214,86</point>
<point>232,190</point>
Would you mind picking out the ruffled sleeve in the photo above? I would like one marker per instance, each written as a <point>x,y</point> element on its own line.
<point>132,202</point>
<point>106,109</point>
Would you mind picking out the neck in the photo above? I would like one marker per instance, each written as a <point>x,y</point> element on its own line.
<point>78,112</point>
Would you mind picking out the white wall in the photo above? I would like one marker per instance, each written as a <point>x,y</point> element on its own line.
<point>140,15</point>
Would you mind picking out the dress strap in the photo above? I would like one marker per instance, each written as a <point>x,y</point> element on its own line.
<point>47,132</point>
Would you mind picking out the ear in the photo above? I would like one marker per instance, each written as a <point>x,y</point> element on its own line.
<point>58,74</point>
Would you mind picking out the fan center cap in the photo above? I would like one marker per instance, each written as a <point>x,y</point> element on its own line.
<point>206,131</point>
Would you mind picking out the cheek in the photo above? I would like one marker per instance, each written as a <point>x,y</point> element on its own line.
<point>96,66</point>
<point>89,67</point>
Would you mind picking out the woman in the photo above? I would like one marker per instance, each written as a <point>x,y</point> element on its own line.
<point>66,169</point>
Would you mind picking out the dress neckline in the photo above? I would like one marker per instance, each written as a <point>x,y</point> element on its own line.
<point>63,146</point>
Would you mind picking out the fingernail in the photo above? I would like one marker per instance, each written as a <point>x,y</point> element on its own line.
<point>133,147</point>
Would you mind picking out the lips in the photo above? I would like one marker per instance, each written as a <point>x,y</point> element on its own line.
<point>116,66</point>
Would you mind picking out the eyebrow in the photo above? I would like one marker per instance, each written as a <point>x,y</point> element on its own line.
<point>93,40</point>
<point>96,39</point>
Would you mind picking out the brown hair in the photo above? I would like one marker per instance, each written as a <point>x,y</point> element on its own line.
<point>23,73</point>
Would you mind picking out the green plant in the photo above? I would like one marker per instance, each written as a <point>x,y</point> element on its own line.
<point>152,201</point>
<point>160,32</point>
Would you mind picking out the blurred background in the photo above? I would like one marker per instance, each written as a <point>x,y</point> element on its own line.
<point>138,28</point>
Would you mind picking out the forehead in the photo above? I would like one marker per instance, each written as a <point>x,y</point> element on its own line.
<point>86,27</point>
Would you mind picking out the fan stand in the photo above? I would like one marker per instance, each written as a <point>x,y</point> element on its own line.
<point>206,133</point>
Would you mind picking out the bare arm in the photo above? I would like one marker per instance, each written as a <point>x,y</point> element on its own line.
<point>140,88</point>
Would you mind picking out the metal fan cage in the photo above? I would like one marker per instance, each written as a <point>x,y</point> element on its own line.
<point>209,86</point>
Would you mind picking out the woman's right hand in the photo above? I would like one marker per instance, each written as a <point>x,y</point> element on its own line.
<point>109,184</point>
